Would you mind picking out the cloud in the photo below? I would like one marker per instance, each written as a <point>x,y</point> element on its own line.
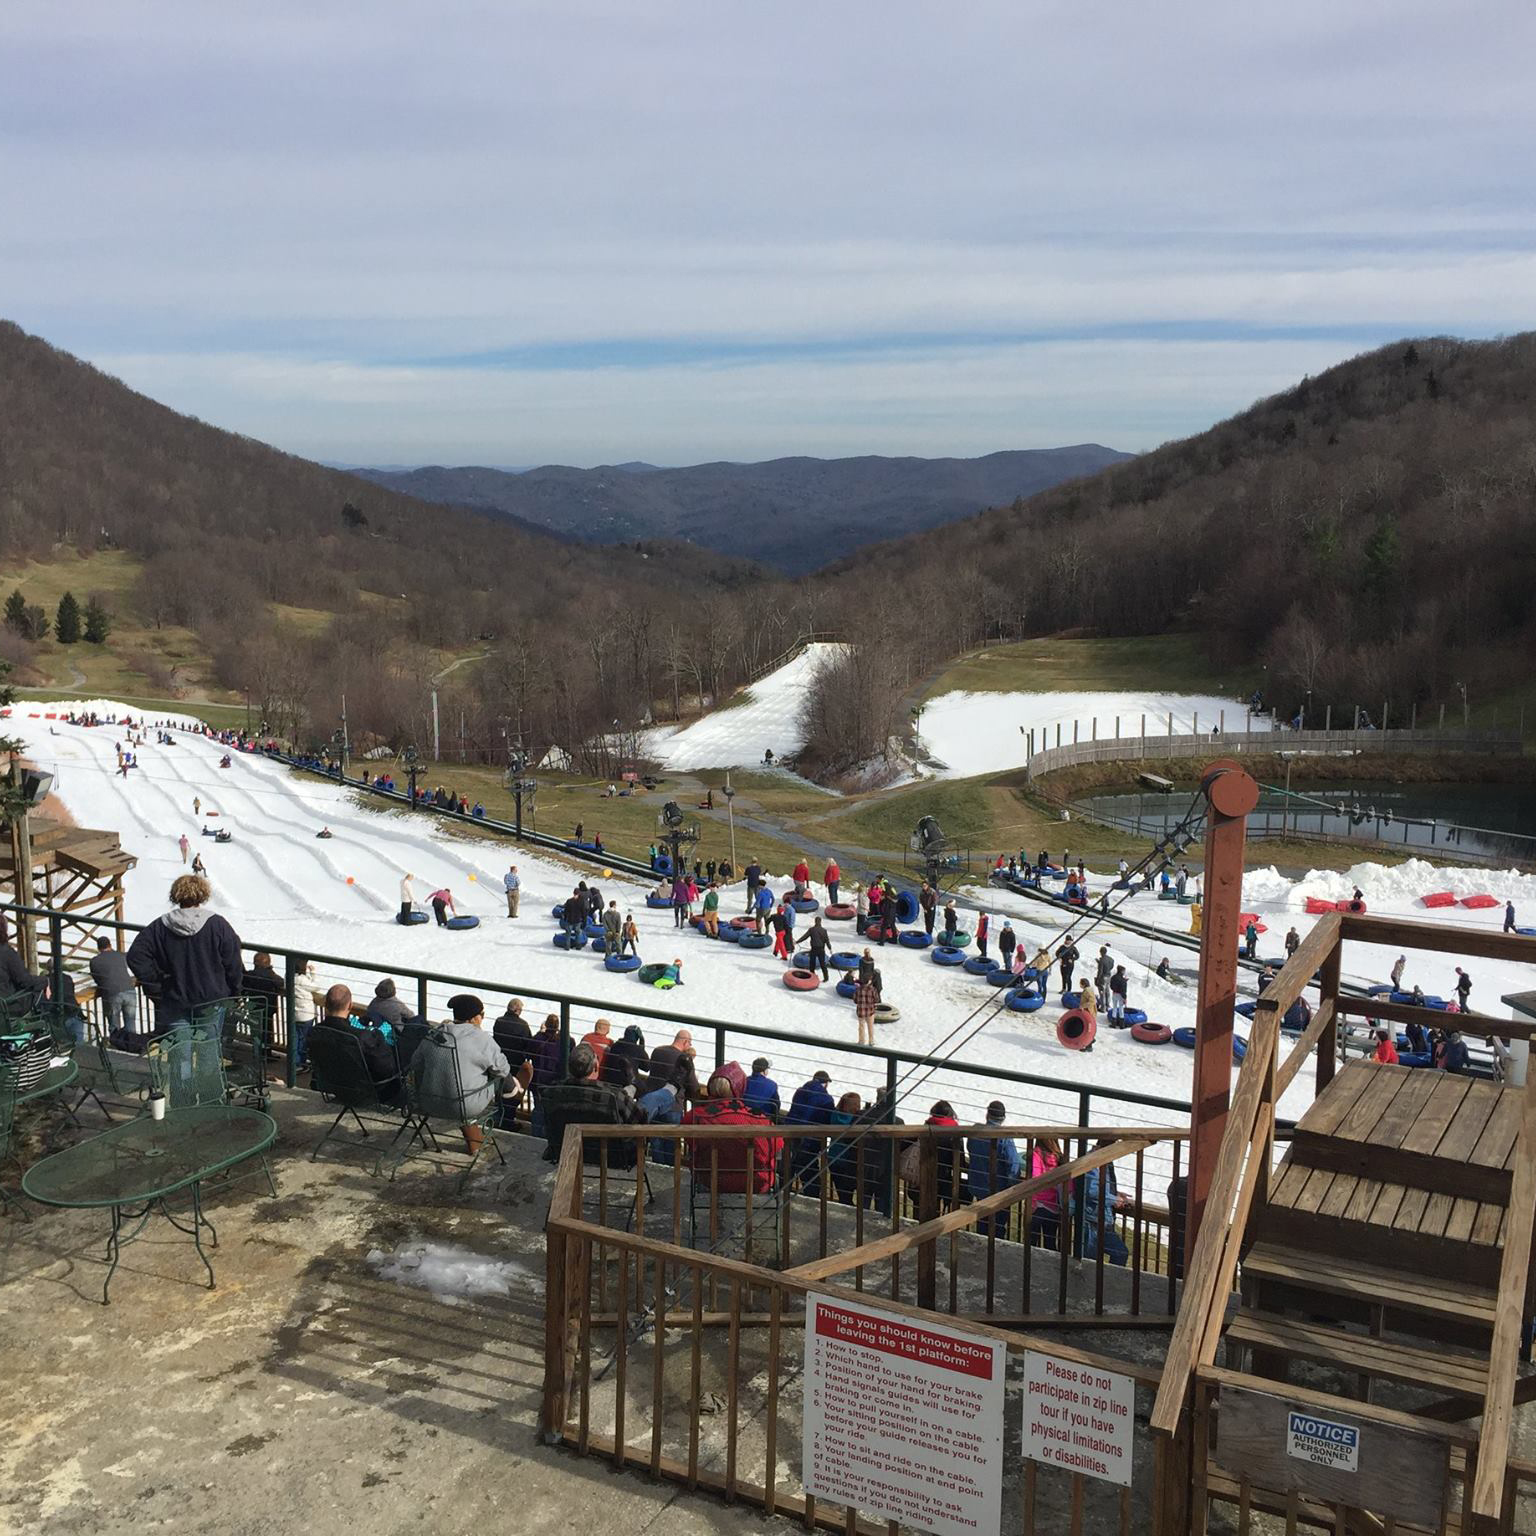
<point>903,197</point>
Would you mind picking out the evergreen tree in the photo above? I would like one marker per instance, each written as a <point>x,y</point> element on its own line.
<point>37,622</point>
<point>11,801</point>
<point>1382,556</point>
<point>16,612</point>
<point>66,622</point>
<point>98,622</point>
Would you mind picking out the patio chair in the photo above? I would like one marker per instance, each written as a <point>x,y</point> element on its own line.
<point>246,1027</point>
<point>437,1058</point>
<point>341,1077</point>
<point>722,1188</point>
<point>7,1121</point>
<point>57,1019</point>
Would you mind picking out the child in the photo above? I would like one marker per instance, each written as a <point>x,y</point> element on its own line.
<point>629,943</point>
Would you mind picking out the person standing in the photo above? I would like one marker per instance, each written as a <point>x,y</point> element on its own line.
<point>1042,969</point>
<point>866,999</point>
<point>1397,972</point>
<point>819,943</point>
<point>780,934</point>
<point>185,846</point>
<point>754,876</point>
<point>1463,988</point>
<point>831,879</point>
<point>928,900</point>
<point>860,909</point>
<point>407,898</point>
<point>514,889</point>
<point>1292,942</point>
<point>1066,958</point>
<point>573,916</point>
<point>1385,1052</point>
<point>1103,969</point>
<point>1007,942</point>
<point>1119,985</point>
<point>1251,940</point>
<point>712,911</point>
<point>630,943</point>
<point>983,925</point>
<point>613,929</point>
<point>801,875</point>
<point>116,988</point>
<point>187,959</point>
<point>1509,917</point>
<point>951,924</point>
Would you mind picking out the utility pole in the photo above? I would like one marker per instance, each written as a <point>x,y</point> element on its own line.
<point>730,815</point>
<point>437,753</point>
<point>346,740</point>
<point>412,756</point>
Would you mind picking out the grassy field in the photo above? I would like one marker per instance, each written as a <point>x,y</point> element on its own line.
<point>1169,663</point>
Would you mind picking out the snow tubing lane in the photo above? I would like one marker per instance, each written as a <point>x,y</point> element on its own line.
<point>650,974</point>
<point>906,907</point>
<point>847,987</point>
<point>806,904</point>
<point>944,955</point>
<point>1151,1034</point>
<point>978,965</point>
<point>621,962</point>
<point>1075,1029</point>
<point>407,919</point>
<point>754,941</point>
<point>1134,1016</point>
<point>1025,1002</point>
<point>1000,976</point>
<point>798,980</point>
<point>886,1013</point>
<point>1184,1037</point>
<point>918,940</point>
<point>844,960</point>
<point>565,941</point>
<point>460,923</point>
<point>838,911</point>
<point>658,903</point>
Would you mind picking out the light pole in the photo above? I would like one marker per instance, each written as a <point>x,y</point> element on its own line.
<point>730,816</point>
<point>412,757</point>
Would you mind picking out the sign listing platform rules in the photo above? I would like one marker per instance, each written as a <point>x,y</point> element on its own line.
<point>903,1419</point>
<point>1079,1418</point>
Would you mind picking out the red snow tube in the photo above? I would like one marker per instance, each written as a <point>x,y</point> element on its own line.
<point>801,981</point>
<point>1151,1034</point>
<point>1357,907</point>
<point>1477,903</point>
<point>838,911</point>
<point>1439,899</point>
<point>1317,906</point>
<point>1076,1029</point>
<point>743,923</point>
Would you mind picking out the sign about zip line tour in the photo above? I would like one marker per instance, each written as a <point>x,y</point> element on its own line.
<point>1079,1418</point>
<point>903,1419</point>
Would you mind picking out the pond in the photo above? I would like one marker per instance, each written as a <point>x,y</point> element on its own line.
<point>1496,820</point>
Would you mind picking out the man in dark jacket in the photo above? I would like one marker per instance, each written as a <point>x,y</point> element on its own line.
<point>187,959</point>
<point>761,1092</point>
<point>115,988</point>
<point>625,1061</point>
<point>582,1100</point>
<point>666,1058</point>
<point>263,981</point>
<point>14,976</point>
<point>573,915</point>
<point>378,1054</point>
<point>388,1010</point>
<point>820,943</point>
<point>754,874</point>
<point>512,1034</point>
<point>811,1105</point>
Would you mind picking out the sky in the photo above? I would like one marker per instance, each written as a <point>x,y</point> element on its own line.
<point>512,233</point>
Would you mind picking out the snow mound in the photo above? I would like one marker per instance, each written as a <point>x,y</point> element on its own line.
<point>107,709</point>
<point>450,1273</point>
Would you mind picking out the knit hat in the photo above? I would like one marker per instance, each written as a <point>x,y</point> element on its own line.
<point>996,1112</point>
<point>385,988</point>
<point>465,1006</point>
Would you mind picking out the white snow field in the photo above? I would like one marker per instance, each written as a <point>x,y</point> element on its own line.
<point>768,718</point>
<point>972,733</point>
<point>280,885</point>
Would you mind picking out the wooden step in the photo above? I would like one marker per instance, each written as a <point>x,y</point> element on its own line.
<point>1456,1301</point>
<point>1360,1354</point>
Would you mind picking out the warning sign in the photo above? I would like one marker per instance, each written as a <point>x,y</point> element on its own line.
<point>903,1419</point>
<point>1323,1442</point>
<point>1079,1417</point>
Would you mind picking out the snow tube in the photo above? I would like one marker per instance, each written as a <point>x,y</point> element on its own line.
<point>754,941</point>
<point>1030,973</point>
<point>571,842</point>
<point>906,907</point>
<point>1415,1059</point>
<point>742,924</point>
<point>978,965</point>
<point>1526,933</point>
<point>1075,1029</point>
<point>844,960</point>
<point>1025,1002</point>
<point>838,911</point>
<point>915,939</point>
<point>1169,895</point>
<point>956,940</point>
<point>1479,903</point>
<point>1151,1034</point>
<point>662,864</point>
<point>806,904</point>
<point>1244,918</point>
<point>1184,1037</point>
<point>1357,907</point>
<point>1187,901</point>
<point>1050,870</point>
<point>886,1013</point>
<point>565,941</point>
<point>559,912</point>
<point>847,987</point>
<point>1134,1016</point>
<point>1438,899</point>
<point>731,935</point>
<point>460,923</point>
<point>1385,989</point>
<point>408,918</point>
<point>799,980</point>
<point>593,930</point>
<point>658,903</point>
<point>1071,999</point>
<point>650,974</point>
<point>1239,1048</point>
<point>1246,1009</point>
<point>1427,1002</point>
<point>621,962</point>
<point>1000,976</point>
<point>1316,906</point>
<point>944,955</point>
<point>802,961</point>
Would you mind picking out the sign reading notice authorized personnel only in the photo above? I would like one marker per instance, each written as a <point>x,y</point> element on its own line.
<point>903,1419</point>
<point>1079,1417</point>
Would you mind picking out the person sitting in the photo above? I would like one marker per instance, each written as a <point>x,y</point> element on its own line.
<point>481,1066</point>
<point>263,981</point>
<point>663,1104</point>
<point>626,1061</point>
<point>1101,1200</point>
<point>387,1011</point>
<point>1451,1054</point>
<point>729,1166</point>
<point>599,1038</point>
<point>378,1054</point>
<point>1386,1051</point>
<point>582,1100</point>
<point>761,1092</point>
<point>994,1164</point>
<point>323,832</point>
<point>666,1057</point>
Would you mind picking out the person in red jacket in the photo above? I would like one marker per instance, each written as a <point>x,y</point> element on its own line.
<point>831,880</point>
<point>801,875</point>
<point>983,927</point>
<point>725,1164</point>
<point>1385,1051</point>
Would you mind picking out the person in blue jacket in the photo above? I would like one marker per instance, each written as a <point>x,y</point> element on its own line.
<point>761,1092</point>
<point>1101,1189</point>
<point>993,1164</point>
<point>812,1104</point>
<point>764,901</point>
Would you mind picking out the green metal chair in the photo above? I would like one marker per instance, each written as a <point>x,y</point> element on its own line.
<point>7,1123</point>
<point>438,1056</point>
<point>56,1018</point>
<point>247,1032</point>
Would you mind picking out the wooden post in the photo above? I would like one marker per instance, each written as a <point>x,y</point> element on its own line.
<point>1328,996</point>
<point>1231,794</point>
<point>1117,727</point>
<point>1328,718</point>
<point>1384,705</point>
<point>1093,728</point>
<point>928,1210</point>
<point>1074,733</point>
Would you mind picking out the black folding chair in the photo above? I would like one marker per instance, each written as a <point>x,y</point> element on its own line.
<point>341,1077</point>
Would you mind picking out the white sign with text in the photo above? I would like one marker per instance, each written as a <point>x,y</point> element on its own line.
<point>1079,1418</point>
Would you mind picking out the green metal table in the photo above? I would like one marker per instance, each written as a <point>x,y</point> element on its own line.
<point>135,1167</point>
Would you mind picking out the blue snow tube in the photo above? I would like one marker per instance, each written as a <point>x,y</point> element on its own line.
<point>978,965</point>
<point>802,961</point>
<point>1415,1059</point>
<point>916,939</point>
<point>1427,1002</point>
<point>847,987</point>
<point>1526,933</point>
<point>462,922</point>
<point>565,941</point>
<point>729,934</point>
<point>621,962</point>
<point>662,864</point>
<point>571,842</point>
<point>945,955</point>
<point>906,907</point>
<point>1239,1048</point>
<point>1386,989</point>
<point>593,930</point>
<point>1025,1002</point>
<point>754,940</point>
<point>408,918</point>
<point>658,903</point>
<point>1135,1016</point>
<point>1030,973</point>
<point>1246,1009</point>
<point>1000,976</point>
<point>1071,999</point>
<point>557,912</point>
<point>1184,1037</point>
<point>806,904</point>
<point>845,960</point>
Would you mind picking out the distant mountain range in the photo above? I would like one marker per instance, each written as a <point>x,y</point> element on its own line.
<point>793,514</point>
